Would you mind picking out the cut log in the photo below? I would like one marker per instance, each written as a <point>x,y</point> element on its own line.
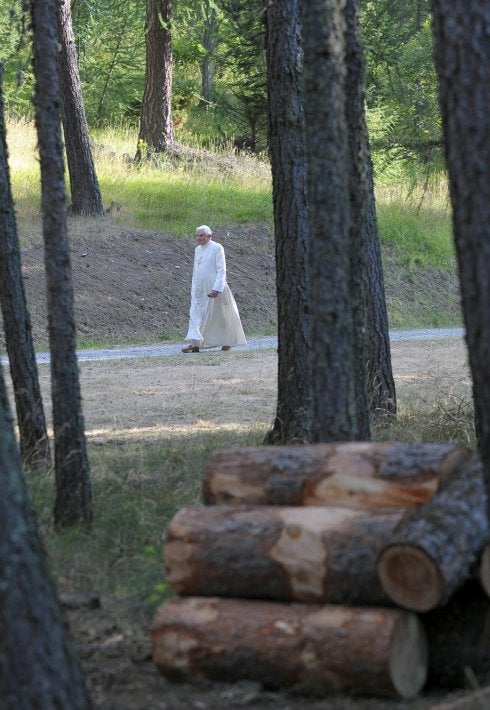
<point>483,571</point>
<point>305,554</point>
<point>357,475</point>
<point>433,548</point>
<point>459,639</point>
<point>308,648</point>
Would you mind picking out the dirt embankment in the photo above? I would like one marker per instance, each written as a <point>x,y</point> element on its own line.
<point>134,286</point>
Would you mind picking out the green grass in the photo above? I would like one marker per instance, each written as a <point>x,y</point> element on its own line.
<point>174,202</point>
<point>421,237</point>
<point>137,488</point>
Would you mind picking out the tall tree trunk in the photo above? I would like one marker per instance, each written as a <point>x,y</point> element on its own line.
<point>84,186</point>
<point>288,162</point>
<point>37,669</point>
<point>34,442</point>
<point>73,493</point>
<point>156,132</point>
<point>380,381</point>
<point>209,44</point>
<point>359,192</point>
<point>462,58</point>
<point>373,358</point>
<point>334,378</point>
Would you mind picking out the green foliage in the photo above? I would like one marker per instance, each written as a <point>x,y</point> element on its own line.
<point>111,51</point>
<point>401,86</point>
<point>15,56</point>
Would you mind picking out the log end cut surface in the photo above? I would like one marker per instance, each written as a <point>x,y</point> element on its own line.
<point>485,569</point>
<point>409,656</point>
<point>410,577</point>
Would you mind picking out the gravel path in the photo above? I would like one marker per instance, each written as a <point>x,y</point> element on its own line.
<point>138,351</point>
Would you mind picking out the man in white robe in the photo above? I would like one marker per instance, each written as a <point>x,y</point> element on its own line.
<point>213,319</point>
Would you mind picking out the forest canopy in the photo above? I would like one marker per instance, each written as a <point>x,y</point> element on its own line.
<point>219,84</point>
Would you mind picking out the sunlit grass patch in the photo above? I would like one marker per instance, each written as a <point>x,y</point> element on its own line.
<point>138,485</point>
<point>175,202</point>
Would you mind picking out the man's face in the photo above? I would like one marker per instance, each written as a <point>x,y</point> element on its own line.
<point>202,238</point>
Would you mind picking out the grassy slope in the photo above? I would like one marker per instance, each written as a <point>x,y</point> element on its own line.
<point>230,190</point>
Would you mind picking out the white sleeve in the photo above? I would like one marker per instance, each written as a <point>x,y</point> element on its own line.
<point>220,279</point>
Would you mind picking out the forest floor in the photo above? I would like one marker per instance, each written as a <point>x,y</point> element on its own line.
<point>133,287</point>
<point>164,397</point>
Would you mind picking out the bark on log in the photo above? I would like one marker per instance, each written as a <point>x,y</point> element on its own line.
<point>304,554</point>
<point>459,639</point>
<point>305,647</point>
<point>357,475</point>
<point>433,548</point>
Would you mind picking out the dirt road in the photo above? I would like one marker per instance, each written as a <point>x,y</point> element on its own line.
<point>214,390</point>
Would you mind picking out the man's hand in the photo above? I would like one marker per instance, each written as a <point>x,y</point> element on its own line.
<point>213,294</point>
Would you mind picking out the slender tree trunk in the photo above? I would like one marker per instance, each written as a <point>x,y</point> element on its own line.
<point>462,58</point>
<point>34,442</point>
<point>380,381</point>
<point>37,668</point>
<point>209,44</point>
<point>359,193</point>
<point>156,132</point>
<point>85,192</point>
<point>372,342</point>
<point>336,409</point>
<point>73,493</point>
<point>287,152</point>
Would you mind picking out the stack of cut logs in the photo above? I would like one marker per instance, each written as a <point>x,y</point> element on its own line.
<point>357,566</point>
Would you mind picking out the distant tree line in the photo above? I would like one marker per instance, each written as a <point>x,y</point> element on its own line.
<point>219,78</point>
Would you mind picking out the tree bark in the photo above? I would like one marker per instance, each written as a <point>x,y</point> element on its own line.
<point>85,193</point>
<point>288,164</point>
<point>372,342</point>
<point>359,194</point>
<point>209,42</point>
<point>289,554</point>
<point>356,475</point>
<point>156,132</point>
<point>306,648</point>
<point>462,58</point>
<point>37,668</point>
<point>34,441</point>
<point>334,382</point>
<point>73,493</point>
<point>431,552</point>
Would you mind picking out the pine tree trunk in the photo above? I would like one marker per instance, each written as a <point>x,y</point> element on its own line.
<point>288,164</point>
<point>359,194</point>
<point>355,475</point>
<point>368,294</point>
<point>310,649</point>
<point>37,668</point>
<point>335,412</point>
<point>34,442</point>
<point>73,493</point>
<point>462,58</point>
<point>156,132</point>
<point>85,193</point>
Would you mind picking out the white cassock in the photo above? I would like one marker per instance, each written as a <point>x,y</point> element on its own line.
<point>212,321</point>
